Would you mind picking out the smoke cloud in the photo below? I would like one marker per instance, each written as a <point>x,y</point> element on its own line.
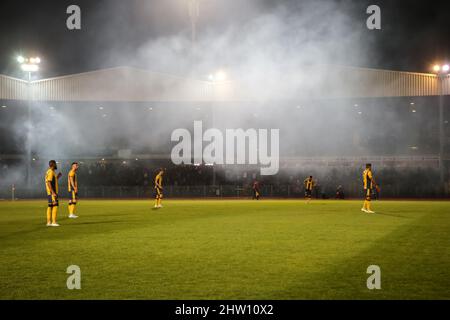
<point>273,52</point>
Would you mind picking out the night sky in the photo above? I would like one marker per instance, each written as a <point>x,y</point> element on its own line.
<point>414,35</point>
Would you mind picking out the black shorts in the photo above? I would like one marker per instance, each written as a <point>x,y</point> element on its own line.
<point>73,197</point>
<point>308,193</point>
<point>368,193</point>
<point>158,192</point>
<point>53,201</point>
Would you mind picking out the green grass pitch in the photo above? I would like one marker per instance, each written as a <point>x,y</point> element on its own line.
<point>230,249</point>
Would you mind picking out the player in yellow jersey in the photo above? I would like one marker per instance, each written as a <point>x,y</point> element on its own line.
<point>368,183</point>
<point>51,186</point>
<point>309,185</point>
<point>159,188</point>
<point>72,181</point>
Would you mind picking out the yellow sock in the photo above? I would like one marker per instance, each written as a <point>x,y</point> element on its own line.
<point>365,205</point>
<point>70,206</point>
<point>159,201</point>
<point>73,208</point>
<point>156,202</point>
<point>49,215</point>
<point>368,206</point>
<point>54,214</point>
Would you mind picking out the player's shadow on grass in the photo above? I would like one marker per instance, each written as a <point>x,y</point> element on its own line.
<point>22,232</point>
<point>40,227</point>
<point>392,215</point>
<point>97,222</point>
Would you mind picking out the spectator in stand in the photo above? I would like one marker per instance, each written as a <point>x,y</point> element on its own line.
<point>340,193</point>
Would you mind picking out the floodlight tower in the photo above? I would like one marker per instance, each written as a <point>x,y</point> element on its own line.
<point>29,65</point>
<point>442,72</point>
<point>215,79</point>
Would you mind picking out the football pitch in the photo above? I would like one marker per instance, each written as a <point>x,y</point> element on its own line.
<point>226,249</point>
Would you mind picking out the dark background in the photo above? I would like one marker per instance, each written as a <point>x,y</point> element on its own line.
<point>414,35</point>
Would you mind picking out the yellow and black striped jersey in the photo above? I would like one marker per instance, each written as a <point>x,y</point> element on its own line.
<point>367,179</point>
<point>72,174</point>
<point>50,176</point>
<point>309,183</point>
<point>158,180</point>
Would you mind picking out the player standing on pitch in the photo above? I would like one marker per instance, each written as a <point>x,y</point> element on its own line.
<point>51,186</point>
<point>73,189</point>
<point>309,185</point>
<point>256,192</point>
<point>159,188</point>
<point>369,184</point>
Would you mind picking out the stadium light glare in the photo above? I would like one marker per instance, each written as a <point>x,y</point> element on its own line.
<point>34,60</point>
<point>3,106</point>
<point>445,68</point>
<point>221,75</point>
<point>413,111</point>
<point>218,76</point>
<point>29,67</point>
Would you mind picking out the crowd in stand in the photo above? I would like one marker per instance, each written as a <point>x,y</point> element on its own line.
<point>329,183</point>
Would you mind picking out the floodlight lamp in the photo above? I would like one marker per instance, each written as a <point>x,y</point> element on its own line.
<point>29,67</point>
<point>220,76</point>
